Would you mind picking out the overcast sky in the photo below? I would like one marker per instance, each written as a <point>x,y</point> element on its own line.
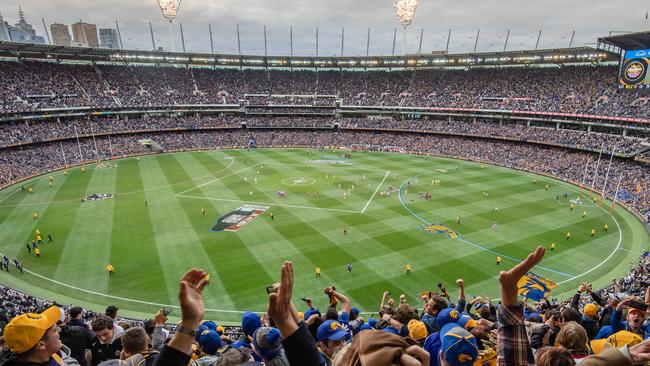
<point>556,18</point>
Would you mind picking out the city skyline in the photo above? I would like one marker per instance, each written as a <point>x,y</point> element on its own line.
<point>434,18</point>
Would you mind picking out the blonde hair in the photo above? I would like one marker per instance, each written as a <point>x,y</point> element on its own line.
<point>573,337</point>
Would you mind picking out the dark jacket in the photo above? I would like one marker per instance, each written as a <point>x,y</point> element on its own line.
<point>76,335</point>
<point>301,349</point>
<point>102,352</point>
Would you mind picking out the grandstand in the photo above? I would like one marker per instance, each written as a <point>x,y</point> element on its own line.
<point>514,139</point>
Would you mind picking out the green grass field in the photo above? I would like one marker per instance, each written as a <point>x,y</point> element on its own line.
<point>152,245</point>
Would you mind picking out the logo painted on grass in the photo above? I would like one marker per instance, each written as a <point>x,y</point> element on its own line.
<point>236,219</point>
<point>99,196</point>
<point>298,181</point>
<point>441,230</point>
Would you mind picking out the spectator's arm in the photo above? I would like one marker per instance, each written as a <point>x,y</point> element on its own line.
<point>575,301</point>
<point>344,300</point>
<point>299,345</point>
<point>384,298</point>
<point>599,300</point>
<point>617,315</point>
<point>158,337</point>
<point>190,295</point>
<point>514,347</point>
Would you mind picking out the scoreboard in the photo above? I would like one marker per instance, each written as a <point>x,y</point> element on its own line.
<point>634,69</point>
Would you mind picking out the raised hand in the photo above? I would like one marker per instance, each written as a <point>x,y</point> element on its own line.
<point>190,296</point>
<point>509,279</point>
<point>280,307</point>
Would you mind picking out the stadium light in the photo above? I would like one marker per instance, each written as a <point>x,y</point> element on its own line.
<point>169,8</point>
<point>405,10</point>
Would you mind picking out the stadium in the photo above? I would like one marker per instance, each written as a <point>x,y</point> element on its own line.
<point>387,191</point>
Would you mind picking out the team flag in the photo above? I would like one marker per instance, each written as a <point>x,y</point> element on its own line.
<point>534,287</point>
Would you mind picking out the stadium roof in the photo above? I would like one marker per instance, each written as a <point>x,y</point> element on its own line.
<point>629,41</point>
<point>545,56</point>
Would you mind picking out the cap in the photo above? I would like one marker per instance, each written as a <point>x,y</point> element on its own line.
<point>210,341</point>
<point>372,322</point>
<point>330,329</point>
<point>618,339</point>
<point>267,342</point>
<point>209,324</point>
<point>24,331</point>
<point>417,330</point>
<point>310,312</point>
<point>458,345</point>
<point>354,313</point>
<point>112,310</point>
<point>446,316</point>
<point>467,322</point>
<point>220,329</point>
<point>250,322</point>
<point>590,310</point>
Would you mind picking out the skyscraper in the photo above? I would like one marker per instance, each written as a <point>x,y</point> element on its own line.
<point>60,34</point>
<point>22,31</point>
<point>4,30</point>
<point>85,33</point>
<point>108,38</point>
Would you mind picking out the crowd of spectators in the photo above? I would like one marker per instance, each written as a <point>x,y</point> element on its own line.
<point>560,162</point>
<point>572,89</point>
<point>30,131</point>
<point>605,327</point>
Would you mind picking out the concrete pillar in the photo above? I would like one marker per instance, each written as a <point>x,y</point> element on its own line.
<point>528,123</point>
<point>500,122</point>
<point>589,128</point>
<point>558,125</point>
<point>625,132</point>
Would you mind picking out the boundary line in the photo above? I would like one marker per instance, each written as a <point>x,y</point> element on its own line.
<point>471,243</point>
<point>216,179</point>
<point>376,190</point>
<point>267,203</point>
<point>118,297</point>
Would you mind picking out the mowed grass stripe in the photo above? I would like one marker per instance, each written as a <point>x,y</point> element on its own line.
<point>134,237</point>
<point>177,243</point>
<point>17,226</point>
<point>234,257</point>
<point>87,246</point>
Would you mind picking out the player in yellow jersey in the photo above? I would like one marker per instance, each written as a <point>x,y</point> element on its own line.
<point>593,232</point>
<point>30,190</point>
<point>203,212</point>
<point>110,269</point>
<point>35,216</point>
<point>458,220</point>
<point>605,228</point>
<point>572,207</point>
<point>568,235</point>
<point>546,187</point>
<point>37,251</point>
<point>584,214</point>
<point>317,272</point>
<point>409,267</point>
<point>552,246</point>
<point>39,239</point>
<point>499,260</point>
<point>37,232</point>
<point>83,169</point>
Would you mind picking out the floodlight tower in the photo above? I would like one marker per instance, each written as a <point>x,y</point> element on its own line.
<point>169,9</point>
<point>405,10</point>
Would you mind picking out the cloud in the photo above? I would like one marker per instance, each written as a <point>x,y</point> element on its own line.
<point>556,18</point>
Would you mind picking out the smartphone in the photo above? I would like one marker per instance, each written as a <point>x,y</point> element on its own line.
<point>166,310</point>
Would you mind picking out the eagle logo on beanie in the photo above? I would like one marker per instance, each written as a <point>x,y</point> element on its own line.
<point>453,314</point>
<point>464,358</point>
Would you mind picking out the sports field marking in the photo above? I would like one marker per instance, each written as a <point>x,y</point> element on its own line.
<point>121,298</point>
<point>232,161</point>
<point>472,243</point>
<point>216,179</point>
<point>376,190</point>
<point>268,203</point>
<point>620,232</point>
